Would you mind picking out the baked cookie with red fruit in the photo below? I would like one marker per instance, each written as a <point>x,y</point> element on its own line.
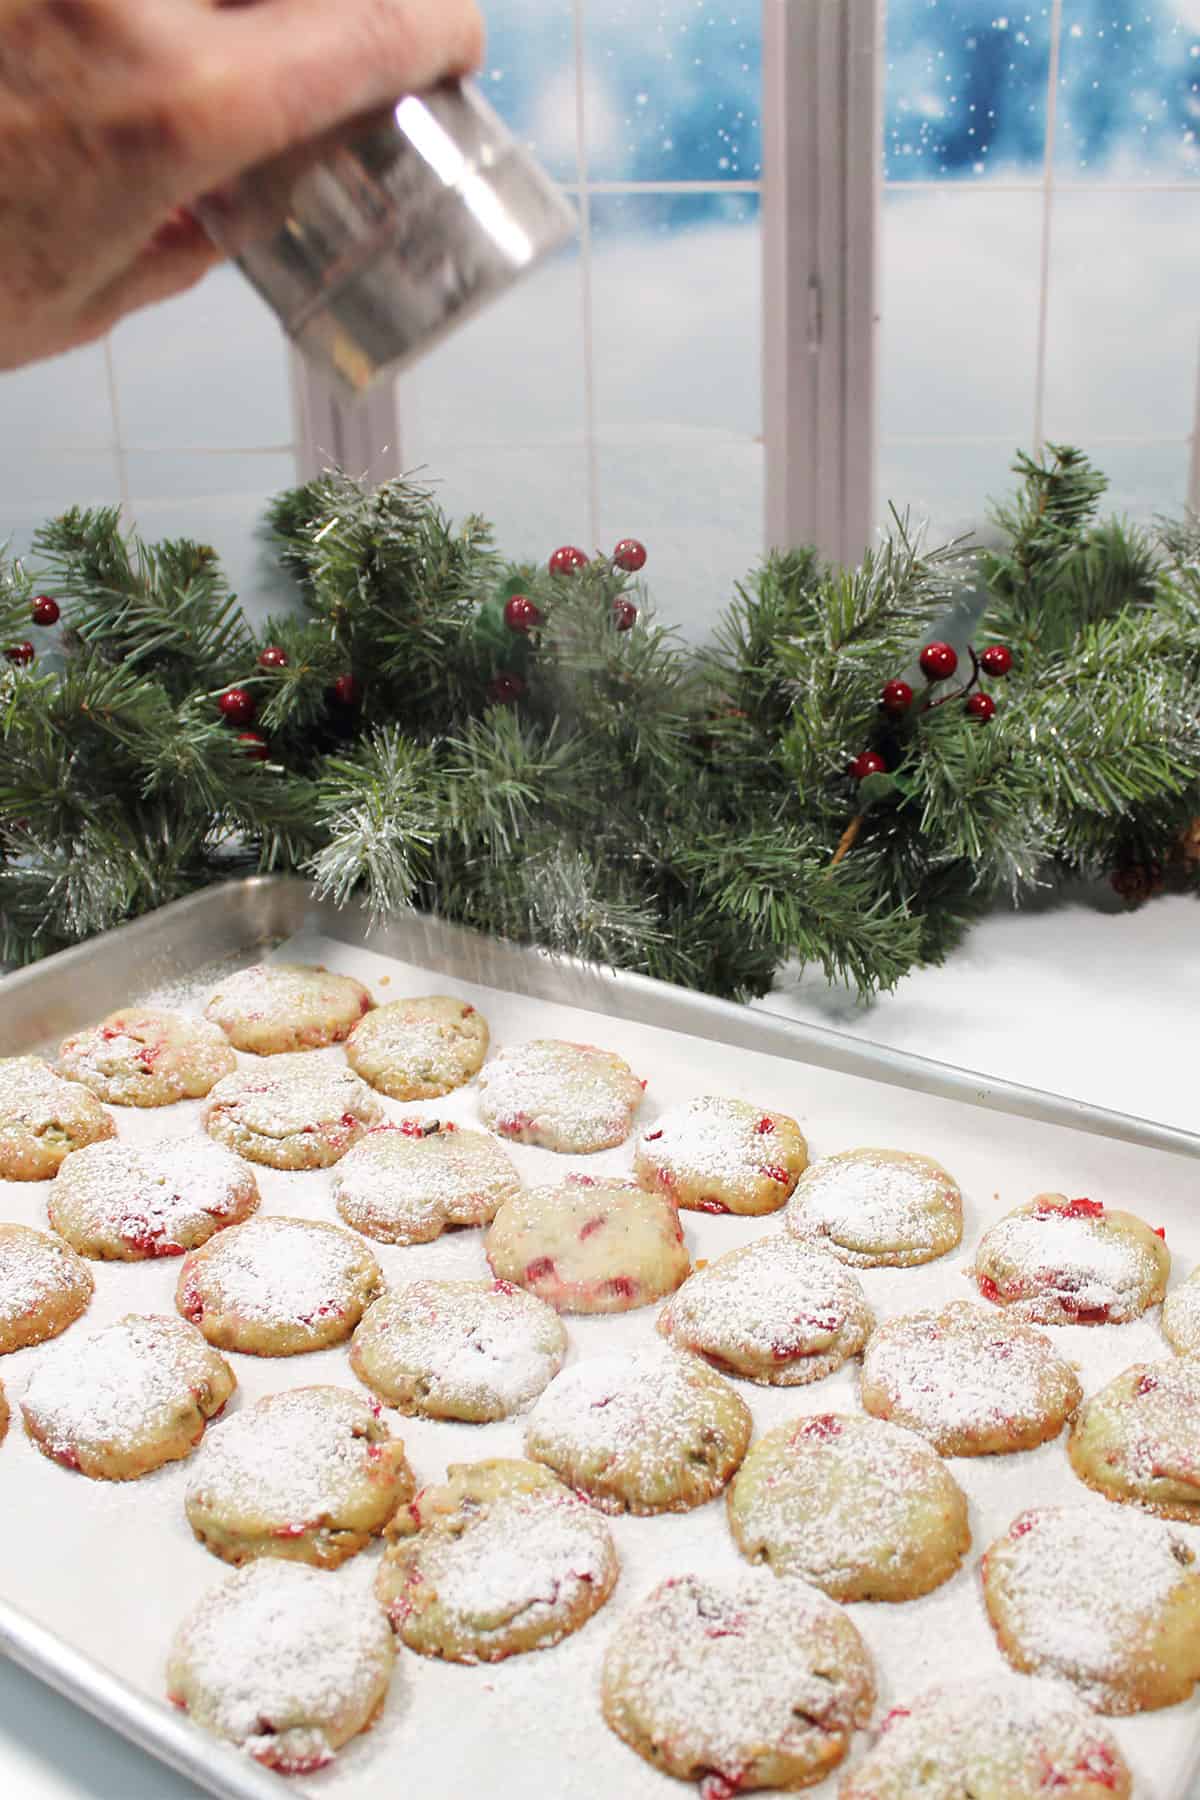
<point>407,1183</point>
<point>143,1056</point>
<point>572,1098</point>
<point>861,1509</point>
<point>472,1350</point>
<point>1011,1738</point>
<point>971,1381</point>
<point>309,1475</point>
<point>653,1432</point>
<point>468,1487</point>
<point>123,1401</point>
<point>1072,1262</point>
<point>44,1287</point>
<point>1100,1597</point>
<point>1181,1316</point>
<point>276,1007</point>
<point>419,1049</point>
<point>120,1203</point>
<point>589,1246</point>
<point>774,1311</point>
<point>722,1156</point>
<point>43,1119</point>
<point>1138,1439</point>
<point>512,1568</point>
<point>284,1662</point>
<point>878,1208</point>
<point>278,1287</point>
<point>295,1112</point>
<point>737,1685</point>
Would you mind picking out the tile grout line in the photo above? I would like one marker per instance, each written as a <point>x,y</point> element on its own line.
<point>585,280</point>
<point>1039,384</point>
<point>114,407</point>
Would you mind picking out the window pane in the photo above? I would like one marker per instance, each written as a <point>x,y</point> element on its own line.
<point>1129,91</point>
<point>966,90</point>
<point>528,75</point>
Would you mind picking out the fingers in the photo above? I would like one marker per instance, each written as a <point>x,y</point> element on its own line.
<point>174,260</point>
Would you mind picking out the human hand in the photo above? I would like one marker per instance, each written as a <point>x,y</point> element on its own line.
<point>115,114</point>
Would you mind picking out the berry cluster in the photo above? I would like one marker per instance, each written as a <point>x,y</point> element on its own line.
<point>523,616</point>
<point>938,662</point>
<point>238,706</point>
<point>44,611</point>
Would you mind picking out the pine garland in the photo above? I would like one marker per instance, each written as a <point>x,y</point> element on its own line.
<point>591,785</point>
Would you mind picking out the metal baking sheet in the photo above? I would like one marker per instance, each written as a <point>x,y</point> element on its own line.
<point>107,1571</point>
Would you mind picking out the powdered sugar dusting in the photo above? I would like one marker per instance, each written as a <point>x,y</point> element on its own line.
<point>460,1349</point>
<point>875,1201</point>
<point>157,1199</point>
<point>775,1301</point>
<point>1049,1263</point>
<point>294,1094</point>
<point>735,1149</point>
<point>273,1269</point>
<point>298,1455</point>
<point>405,1183</point>
<point>565,1097</point>
<point>115,1386</point>
<point>1181,1317</point>
<point>35,1271</point>
<point>610,1404</point>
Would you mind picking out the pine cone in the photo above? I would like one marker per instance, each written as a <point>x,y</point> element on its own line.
<point>1136,882</point>
<point>1188,842</point>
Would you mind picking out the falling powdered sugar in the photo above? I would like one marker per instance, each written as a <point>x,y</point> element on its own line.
<point>114,1387</point>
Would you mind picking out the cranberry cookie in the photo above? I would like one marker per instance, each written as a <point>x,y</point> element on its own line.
<point>589,1246</point>
<point>1138,1439</point>
<point>737,1686</point>
<point>143,1057</point>
<point>125,1400</point>
<point>516,1571</point>
<point>654,1432</point>
<point>1006,1739</point>
<point>278,1287</point>
<point>1181,1316</point>
<point>1101,1597</point>
<point>566,1097</point>
<point>283,1661</point>
<point>419,1049</point>
<point>43,1119</point>
<point>975,1383</point>
<point>878,1208</point>
<point>275,1007</point>
<point>43,1287</point>
<point>116,1203</point>
<point>473,1350</point>
<point>310,1475</point>
<point>722,1156</point>
<point>774,1311</point>
<point>295,1112</point>
<point>1072,1262</point>
<point>469,1487</point>
<point>406,1183</point>
<point>861,1509</point>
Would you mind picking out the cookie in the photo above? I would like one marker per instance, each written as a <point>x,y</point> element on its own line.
<point>565,1097</point>
<point>974,1382</point>
<point>654,1432</point>
<point>143,1057</point>
<point>1101,1597</point>
<point>309,1475</point>
<point>516,1572</point>
<point>589,1246</point>
<point>861,1509</point>
<point>285,1662</point>
<point>878,1208</point>
<point>4,1414</point>
<point>118,1203</point>
<point>1138,1439</point>
<point>43,1119</point>
<point>468,1487</point>
<point>1181,1316</point>
<point>127,1399</point>
<point>722,1156</point>
<point>1072,1262</point>
<point>278,1287</point>
<point>295,1112</point>
<point>737,1685</point>
<point>1001,1739</point>
<point>43,1287</point>
<point>419,1049</point>
<point>405,1183</point>
<point>774,1311</point>
<point>473,1350</point>
<point>275,1007</point>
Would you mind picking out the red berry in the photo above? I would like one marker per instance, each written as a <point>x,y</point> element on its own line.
<point>273,656</point>
<point>256,745</point>
<point>938,661</point>
<point>44,610</point>
<point>346,690</point>
<point>237,706</point>
<point>981,706</point>
<point>1145,1384</point>
<point>504,689</point>
<point>1160,1231</point>
<point>630,555</point>
<point>566,559</point>
<point>20,654</point>
<point>988,1288</point>
<point>997,659</point>
<point>624,615</point>
<point>869,763</point>
<point>520,614</point>
<point>820,1425</point>
<point>897,696</point>
<point>1022,1523</point>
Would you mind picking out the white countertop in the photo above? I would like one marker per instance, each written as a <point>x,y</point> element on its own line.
<point>1083,1000</point>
